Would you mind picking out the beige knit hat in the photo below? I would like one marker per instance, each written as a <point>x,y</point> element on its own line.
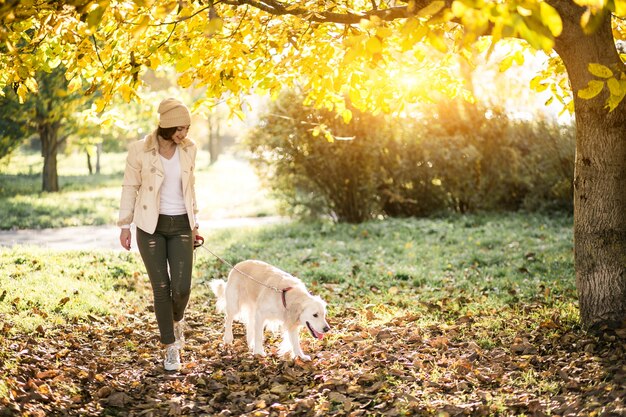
<point>173,113</point>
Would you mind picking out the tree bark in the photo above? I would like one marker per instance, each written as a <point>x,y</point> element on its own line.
<point>48,133</point>
<point>599,177</point>
<point>98,155</point>
<point>215,139</point>
<point>89,167</point>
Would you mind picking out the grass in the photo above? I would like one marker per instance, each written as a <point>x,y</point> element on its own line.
<point>450,268</point>
<point>86,200</point>
<point>42,289</point>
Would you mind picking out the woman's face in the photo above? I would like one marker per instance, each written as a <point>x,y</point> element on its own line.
<point>180,134</point>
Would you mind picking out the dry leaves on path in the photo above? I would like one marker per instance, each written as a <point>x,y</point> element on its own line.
<point>112,367</point>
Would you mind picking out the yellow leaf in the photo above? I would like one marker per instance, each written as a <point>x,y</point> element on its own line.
<point>215,25</point>
<point>165,8</point>
<point>31,83</point>
<point>346,115</point>
<point>522,11</point>
<point>75,84</point>
<point>154,62</point>
<point>432,9</point>
<point>593,89</point>
<point>383,32</point>
<point>437,42</point>
<point>410,8</point>
<point>127,93</point>
<point>506,63</point>
<point>355,95</point>
<point>95,15</point>
<point>141,27</point>
<point>21,92</point>
<point>183,64</point>
<point>459,8</point>
<point>100,103</point>
<point>373,45</point>
<point>237,112</point>
<point>600,70</point>
<point>550,17</point>
<point>185,80</point>
<point>614,86</point>
<point>620,8</point>
<point>618,91</point>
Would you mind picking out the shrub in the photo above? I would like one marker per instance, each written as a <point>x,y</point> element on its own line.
<point>455,156</point>
<point>313,176</point>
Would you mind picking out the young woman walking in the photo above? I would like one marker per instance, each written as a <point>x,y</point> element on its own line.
<point>159,197</point>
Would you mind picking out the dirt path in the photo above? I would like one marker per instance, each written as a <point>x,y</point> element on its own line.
<point>106,237</point>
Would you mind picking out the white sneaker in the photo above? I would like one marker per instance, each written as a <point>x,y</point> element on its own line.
<point>172,358</point>
<point>179,333</point>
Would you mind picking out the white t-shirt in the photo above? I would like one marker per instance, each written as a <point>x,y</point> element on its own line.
<point>172,199</point>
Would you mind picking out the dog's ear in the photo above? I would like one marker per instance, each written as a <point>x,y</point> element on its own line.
<point>295,306</point>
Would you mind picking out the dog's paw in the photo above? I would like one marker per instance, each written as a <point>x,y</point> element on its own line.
<point>228,340</point>
<point>305,358</point>
<point>258,352</point>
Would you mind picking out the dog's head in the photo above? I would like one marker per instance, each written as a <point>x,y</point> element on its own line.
<point>313,316</point>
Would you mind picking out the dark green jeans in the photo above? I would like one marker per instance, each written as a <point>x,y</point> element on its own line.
<point>168,257</point>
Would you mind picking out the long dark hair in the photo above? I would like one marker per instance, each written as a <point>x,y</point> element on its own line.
<point>166,132</point>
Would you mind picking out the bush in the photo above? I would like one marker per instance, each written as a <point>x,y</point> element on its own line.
<point>456,156</point>
<point>312,176</point>
<point>484,160</point>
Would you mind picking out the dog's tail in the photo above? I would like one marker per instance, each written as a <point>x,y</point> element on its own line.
<point>218,286</point>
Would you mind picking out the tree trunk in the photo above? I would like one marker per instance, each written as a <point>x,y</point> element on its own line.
<point>599,177</point>
<point>98,155</point>
<point>89,167</point>
<point>214,138</point>
<point>48,134</point>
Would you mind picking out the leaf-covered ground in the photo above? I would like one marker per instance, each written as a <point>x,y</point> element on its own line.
<point>373,364</point>
<point>468,315</point>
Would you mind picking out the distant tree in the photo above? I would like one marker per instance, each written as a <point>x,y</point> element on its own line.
<point>47,113</point>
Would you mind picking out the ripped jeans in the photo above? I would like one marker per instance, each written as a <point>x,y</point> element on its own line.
<point>168,257</point>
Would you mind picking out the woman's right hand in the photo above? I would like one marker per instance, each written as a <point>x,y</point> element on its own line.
<point>125,238</point>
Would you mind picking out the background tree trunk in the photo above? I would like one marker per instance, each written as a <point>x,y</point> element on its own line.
<point>89,166</point>
<point>215,140</point>
<point>98,155</point>
<point>49,146</point>
<point>600,175</point>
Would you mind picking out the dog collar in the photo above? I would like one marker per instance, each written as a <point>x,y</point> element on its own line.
<point>283,296</point>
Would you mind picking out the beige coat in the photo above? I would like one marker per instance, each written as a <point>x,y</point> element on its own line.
<point>142,183</point>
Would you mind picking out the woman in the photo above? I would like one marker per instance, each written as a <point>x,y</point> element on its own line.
<point>158,195</point>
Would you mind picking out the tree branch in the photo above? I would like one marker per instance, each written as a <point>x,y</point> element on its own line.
<point>278,8</point>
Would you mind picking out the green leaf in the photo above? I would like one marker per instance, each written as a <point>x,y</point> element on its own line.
<point>593,89</point>
<point>600,70</point>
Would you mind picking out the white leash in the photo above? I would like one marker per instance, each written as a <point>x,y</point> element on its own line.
<point>240,271</point>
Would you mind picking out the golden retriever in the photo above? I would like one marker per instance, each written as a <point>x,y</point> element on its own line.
<point>259,295</point>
